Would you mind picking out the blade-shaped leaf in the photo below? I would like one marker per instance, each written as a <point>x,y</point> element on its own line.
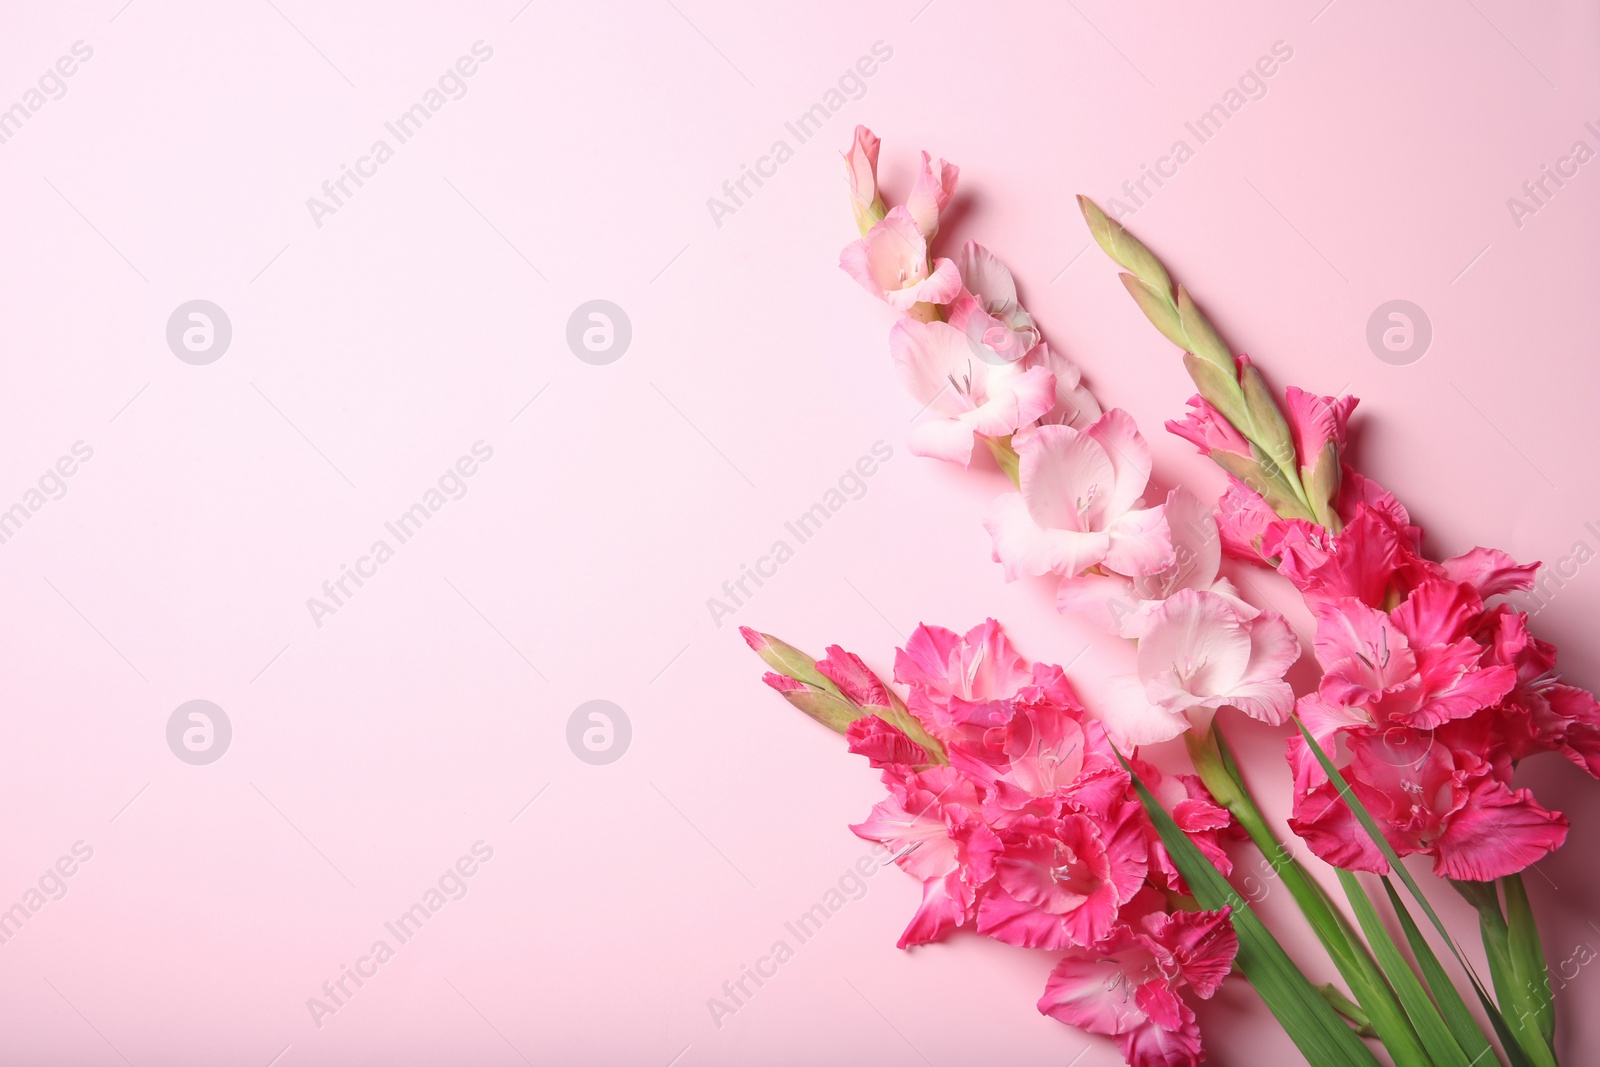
<point>1318,1031</point>
<point>1430,1025</point>
<point>1514,1050</point>
<point>1451,1006</point>
<point>1527,957</point>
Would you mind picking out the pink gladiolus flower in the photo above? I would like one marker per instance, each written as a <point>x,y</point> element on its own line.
<point>987,310</point>
<point>1080,504</point>
<point>931,193</point>
<point>1200,652</point>
<point>1061,877</point>
<point>861,164</point>
<point>1243,519</point>
<point>891,263</point>
<point>931,821</point>
<point>1426,796</point>
<point>1124,606</point>
<point>1416,666</point>
<point>1373,559</point>
<point>945,668</point>
<point>1127,986</point>
<point>1075,406</point>
<point>964,392</point>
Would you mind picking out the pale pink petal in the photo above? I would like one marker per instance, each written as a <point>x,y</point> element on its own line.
<point>948,439</point>
<point>1141,542</point>
<point>1132,720</point>
<point>1195,650</point>
<point>1075,405</point>
<point>1119,435</point>
<point>1270,700</point>
<point>1065,476</point>
<point>939,287</point>
<point>1106,601</point>
<point>985,276</point>
<point>1024,548</point>
<point>1013,398</point>
<point>931,192</point>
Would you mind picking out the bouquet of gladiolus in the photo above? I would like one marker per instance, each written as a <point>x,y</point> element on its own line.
<point>1032,819</point>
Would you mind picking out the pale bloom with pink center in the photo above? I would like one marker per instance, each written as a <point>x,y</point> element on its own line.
<point>963,392</point>
<point>987,310</point>
<point>1075,405</point>
<point>1127,987</point>
<point>1124,606</point>
<point>931,193</point>
<point>1201,652</point>
<point>891,263</point>
<point>1081,504</point>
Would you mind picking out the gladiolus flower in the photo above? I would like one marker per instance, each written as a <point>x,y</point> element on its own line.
<point>1200,652</point>
<point>1122,605</point>
<point>987,310</point>
<point>1127,986</point>
<point>1080,504</point>
<point>965,393</point>
<point>891,263</point>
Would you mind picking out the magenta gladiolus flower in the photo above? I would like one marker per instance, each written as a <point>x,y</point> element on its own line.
<point>1127,987</point>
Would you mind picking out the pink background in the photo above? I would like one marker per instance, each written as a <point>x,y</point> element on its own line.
<point>368,354</point>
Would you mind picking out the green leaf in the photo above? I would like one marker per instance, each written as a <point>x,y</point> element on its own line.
<point>1322,1037</point>
<point>1517,1053</point>
<point>1382,1011</point>
<point>1126,250</point>
<point>1424,1016</point>
<point>1451,1006</point>
<point>1527,957</point>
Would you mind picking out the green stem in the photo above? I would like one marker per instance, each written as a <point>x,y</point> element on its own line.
<point>1516,965</point>
<point>1348,1008</point>
<point>1214,763</point>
